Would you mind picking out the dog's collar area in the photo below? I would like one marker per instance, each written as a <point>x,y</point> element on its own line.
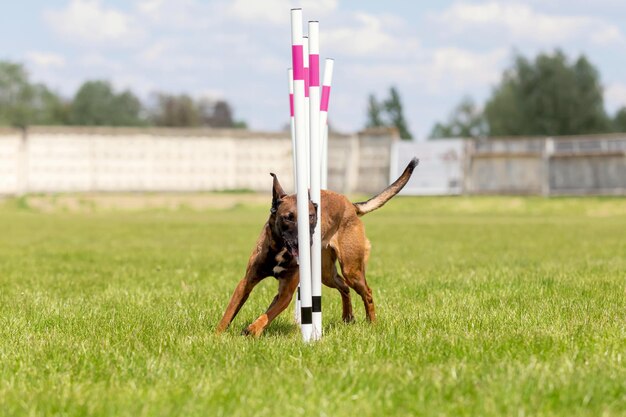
<point>284,261</point>
<point>283,257</point>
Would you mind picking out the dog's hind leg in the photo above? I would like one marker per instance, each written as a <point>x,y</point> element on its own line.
<point>347,315</point>
<point>359,284</point>
<point>355,277</point>
<point>286,288</point>
<point>332,279</point>
<point>352,258</point>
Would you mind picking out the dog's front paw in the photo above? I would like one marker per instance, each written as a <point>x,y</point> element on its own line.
<point>256,328</point>
<point>252,331</point>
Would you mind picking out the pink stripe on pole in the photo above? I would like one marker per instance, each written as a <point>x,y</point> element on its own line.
<point>314,70</point>
<point>298,62</point>
<point>325,98</point>
<point>306,81</point>
<point>291,105</point>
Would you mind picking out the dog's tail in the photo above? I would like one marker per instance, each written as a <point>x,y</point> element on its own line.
<point>379,200</point>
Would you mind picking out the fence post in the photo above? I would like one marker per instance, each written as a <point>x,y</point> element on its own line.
<point>22,164</point>
<point>352,166</point>
<point>468,155</point>
<point>548,151</point>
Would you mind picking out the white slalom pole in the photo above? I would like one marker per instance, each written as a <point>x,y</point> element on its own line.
<point>296,312</point>
<point>307,101</point>
<point>302,198</point>
<point>307,104</point>
<point>293,126</point>
<point>328,79</point>
<point>324,134</point>
<point>315,176</point>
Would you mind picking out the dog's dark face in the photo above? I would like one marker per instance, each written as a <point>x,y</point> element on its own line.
<point>284,218</point>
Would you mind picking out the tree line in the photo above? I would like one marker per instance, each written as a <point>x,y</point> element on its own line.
<point>96,103</point>
<point>547,95</point>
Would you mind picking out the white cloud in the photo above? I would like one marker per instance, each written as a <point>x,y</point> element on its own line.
<point>45,59</point>
<point>366,35</point>
<point>157,50</point>
<point>458,68</point>
<point>91,22</point>
<point>446,70</point>
<point>380,74</point>
<point>97,61</point>
<point>209,94</point>
<point>608,35</point>
<point>269,11</point>
<point>277,11</point>
<point>136,83</point>
<point>150,7</point>
<point>615,96</point>
<point>181,14</point>
<point>523,23</point>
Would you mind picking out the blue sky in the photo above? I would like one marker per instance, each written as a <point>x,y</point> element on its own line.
<point>434,52</point>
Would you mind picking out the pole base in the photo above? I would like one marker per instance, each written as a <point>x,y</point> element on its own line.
<point>317,326</point>
<point>307,332</point>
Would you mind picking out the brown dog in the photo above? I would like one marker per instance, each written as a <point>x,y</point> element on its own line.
<point>343,239</point>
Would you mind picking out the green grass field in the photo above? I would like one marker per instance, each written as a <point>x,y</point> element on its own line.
<point>486,306</point>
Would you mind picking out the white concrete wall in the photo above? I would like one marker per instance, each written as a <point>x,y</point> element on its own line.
<point>80,159</point>
<point>76,160</point>
<point>575,165</point>
<point>10,142</point>
<point>440,170</point>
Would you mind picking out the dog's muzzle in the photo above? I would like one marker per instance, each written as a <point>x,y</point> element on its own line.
<point>292,247</point>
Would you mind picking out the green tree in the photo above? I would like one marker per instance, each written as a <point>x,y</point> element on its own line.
<point>183,111</point>
<point>16,95</point>
<point>222,115</point>
<point>97,104</point>
<point>176,111</point>
<point>240,124</point>
<point>619,121</point>
<point>49,108</point>
<point>129,110</point>
<point>374,112</point>
<point>547,96</point>
<point>465,121</point>
<point>23,103</point>
<point>395,114</point>
<point>389,113</point>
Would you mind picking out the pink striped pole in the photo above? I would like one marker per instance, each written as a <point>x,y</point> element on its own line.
<point>296,313</point>
<point>315,176</point>
<point>302,198</point>
<point>307,101</point>
<point>292,124</point>
<point>325,100</point>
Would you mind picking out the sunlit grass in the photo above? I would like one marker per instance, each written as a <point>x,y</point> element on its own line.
<point>486,306</point>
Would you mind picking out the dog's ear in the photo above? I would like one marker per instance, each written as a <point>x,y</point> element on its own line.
<point>277,193</point>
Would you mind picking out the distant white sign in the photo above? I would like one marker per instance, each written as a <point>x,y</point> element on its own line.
<point>440,171</point>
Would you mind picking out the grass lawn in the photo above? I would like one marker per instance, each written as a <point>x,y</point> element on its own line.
<point>486,306</point>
